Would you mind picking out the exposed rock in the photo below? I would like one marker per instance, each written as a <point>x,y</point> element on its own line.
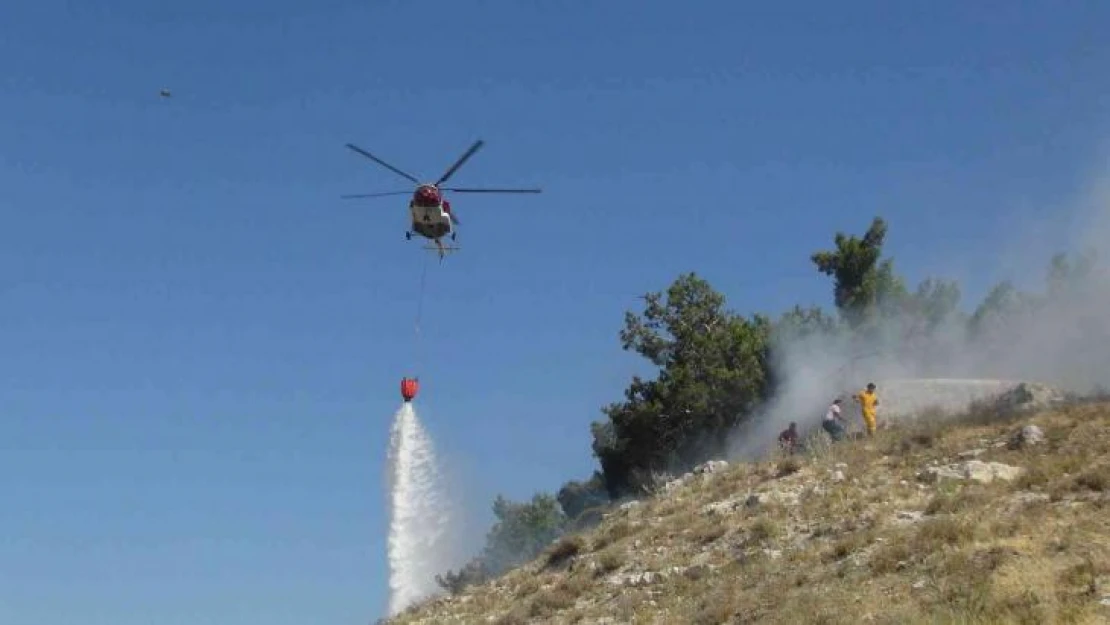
<point>990,471</point>
<point>722,507</point>
<point>753,542</point>
<point>908,516</point>
<point>1028,435</point>
<point>974,470</point>
<point>636,579</point>
<point>676,483</point>
<point>701,562</point>
<point>645,578</point>
<point>945,398</point>
<point>1028,397</point>
<point>785,496</point>
<point>712,466</point>
<point>936,397</point>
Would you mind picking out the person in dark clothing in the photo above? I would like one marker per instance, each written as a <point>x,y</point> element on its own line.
<point>788,438</point>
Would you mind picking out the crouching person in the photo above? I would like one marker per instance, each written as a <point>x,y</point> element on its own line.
<point>834,422</point>
<point>788,438</point>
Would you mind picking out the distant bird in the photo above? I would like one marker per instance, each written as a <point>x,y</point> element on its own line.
<point>165,93</point>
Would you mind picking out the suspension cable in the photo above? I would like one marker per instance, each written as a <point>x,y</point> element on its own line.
<point>418,349</point>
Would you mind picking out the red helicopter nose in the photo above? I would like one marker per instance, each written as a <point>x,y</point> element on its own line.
<point>427,196</point>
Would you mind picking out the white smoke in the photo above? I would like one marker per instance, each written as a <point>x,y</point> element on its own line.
<point>1064,343</point>
<point>420,514</point>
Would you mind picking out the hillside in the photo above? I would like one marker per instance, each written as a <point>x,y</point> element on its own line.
<point>981,518</point>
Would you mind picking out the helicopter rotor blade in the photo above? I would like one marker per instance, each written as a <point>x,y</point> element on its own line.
<point>462,159</point>
<point>493,190</point>
<point>364,195</point>
<point>382,163</point>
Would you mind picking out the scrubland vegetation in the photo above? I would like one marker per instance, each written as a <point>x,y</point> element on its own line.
<point>853,532</point>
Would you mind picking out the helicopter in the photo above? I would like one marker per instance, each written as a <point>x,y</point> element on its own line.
<point>429,210</point>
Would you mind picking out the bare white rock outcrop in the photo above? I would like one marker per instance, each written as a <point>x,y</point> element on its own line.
<point>974,470</point>
<point>1028,435</point>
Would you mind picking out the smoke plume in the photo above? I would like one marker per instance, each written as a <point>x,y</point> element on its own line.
<point>1051,328</point>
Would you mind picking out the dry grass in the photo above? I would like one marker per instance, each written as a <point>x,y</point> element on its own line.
<point>875,544</point>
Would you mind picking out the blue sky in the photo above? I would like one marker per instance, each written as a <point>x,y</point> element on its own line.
<point>202,344</point>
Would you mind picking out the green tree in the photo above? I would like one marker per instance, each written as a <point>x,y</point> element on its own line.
<point>712,372</point>
<point>879,310</point>
<point>860,279</point>
<point>522,531</point>
<point>934,303</point>
<point>575,496</point>
<point>473,572</point>
<point>1002,305</point>
<point>802,324</point>
<point>1065,277</point>
<point>800,333</point>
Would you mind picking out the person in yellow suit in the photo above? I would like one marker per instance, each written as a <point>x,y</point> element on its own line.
<point>868,402</point>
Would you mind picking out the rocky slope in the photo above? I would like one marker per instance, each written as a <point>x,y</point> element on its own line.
<point>942,397</point>
<point>999,516</point>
